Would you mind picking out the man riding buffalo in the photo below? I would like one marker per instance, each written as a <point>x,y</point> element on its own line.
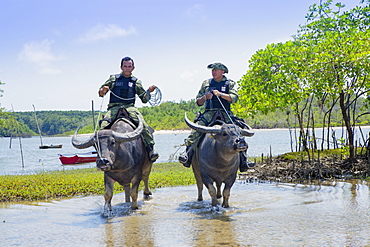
<point>123,89</point>
<point>218,93</point>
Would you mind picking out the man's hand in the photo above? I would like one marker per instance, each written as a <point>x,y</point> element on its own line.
<point>103,91</point>
<point>151,88</point>
<point>216,92</point>
<point>208,95</point>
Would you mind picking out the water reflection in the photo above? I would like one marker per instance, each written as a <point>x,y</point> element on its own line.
<point>260,214</point>
<point>134,230</point>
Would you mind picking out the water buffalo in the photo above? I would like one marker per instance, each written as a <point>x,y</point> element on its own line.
<point>217,158</point>
<point>123,158</point>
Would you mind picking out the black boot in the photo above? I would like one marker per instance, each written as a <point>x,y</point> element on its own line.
<point>245,163</point>
<point>153,155</point>
<point>186,157</point>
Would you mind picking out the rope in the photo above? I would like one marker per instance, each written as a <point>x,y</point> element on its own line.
<point>124,98</point>
<point>97,146</point>
<point>236,129</point>
<point>154,100</point>
<point>155,97</point>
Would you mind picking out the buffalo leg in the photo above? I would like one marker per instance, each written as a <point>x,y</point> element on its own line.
<point>146,170</point>
<point>213,193</point>
<point>199,180</point>
<point>127,192</point>
<point>200,190</point>
<point>147,192</point>
<point>108,194</point>
<point>134,193</point>
<point>218,186</point>
<point>226,196</point>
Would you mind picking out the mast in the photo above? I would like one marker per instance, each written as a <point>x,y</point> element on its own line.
<point>37,123</point>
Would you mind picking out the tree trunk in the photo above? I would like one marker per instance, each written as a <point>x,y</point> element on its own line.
<point>302,136</point>
<point>347,122</point>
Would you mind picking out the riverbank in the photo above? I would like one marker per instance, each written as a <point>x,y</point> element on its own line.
<point>284,168</point>
<point>169,132</point>
<point>89,181</point>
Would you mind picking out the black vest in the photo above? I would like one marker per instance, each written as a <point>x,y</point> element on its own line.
<point>124,90</point>
<point>223,87</point>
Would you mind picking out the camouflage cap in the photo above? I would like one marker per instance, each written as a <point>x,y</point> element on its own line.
<point>218,66</point>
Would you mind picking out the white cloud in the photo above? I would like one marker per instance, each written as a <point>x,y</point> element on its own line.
<point>39,53</point>
<point>196,11</point>
<point>188,75</point>
<point>104,32</point>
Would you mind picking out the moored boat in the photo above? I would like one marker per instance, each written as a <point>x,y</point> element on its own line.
<point>42,146</point>
<point>50,146</point>
<point>78,158</point>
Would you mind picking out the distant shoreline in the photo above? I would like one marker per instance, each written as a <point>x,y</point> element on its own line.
<point>159,132</point>
<point>162,132</point>
<point>165,132</point>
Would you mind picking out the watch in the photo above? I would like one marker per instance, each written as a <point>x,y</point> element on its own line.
<point>221,94</point>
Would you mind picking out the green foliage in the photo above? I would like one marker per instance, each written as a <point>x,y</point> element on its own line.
<point>329,59</point>
<point>58,184</point>
<point>55,122</point>
<point>1,91</point>
<point>168,115</point>
<point>324,154</point>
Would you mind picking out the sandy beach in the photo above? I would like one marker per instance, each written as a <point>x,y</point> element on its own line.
<point>161,132</point>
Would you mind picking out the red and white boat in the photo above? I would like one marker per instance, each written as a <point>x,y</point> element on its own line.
<point>68,159</point>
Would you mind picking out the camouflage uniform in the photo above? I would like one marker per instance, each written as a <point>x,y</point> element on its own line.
<point>131,109</point>
<point>208,114</point>
<point>213,105</point>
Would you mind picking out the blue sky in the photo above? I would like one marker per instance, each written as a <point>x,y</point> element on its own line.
<point>56,54</point>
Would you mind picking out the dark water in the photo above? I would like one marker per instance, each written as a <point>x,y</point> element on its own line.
<point>261,214</point>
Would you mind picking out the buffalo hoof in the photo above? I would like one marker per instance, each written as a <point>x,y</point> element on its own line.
<point>147,197</point>
<point>107,213</point>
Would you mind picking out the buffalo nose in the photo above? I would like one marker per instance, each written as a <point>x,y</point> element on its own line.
<point>241,141</point>
<point>240,144</point>
<point>102,162</point>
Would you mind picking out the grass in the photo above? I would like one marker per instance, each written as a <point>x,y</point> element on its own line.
<point>326,153</point>
<point>89,181</point>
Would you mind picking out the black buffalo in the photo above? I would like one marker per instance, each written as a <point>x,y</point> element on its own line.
<point>217,158</point>
<point>123,158</point>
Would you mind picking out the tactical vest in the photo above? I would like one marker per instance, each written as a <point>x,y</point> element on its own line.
<point>223,87</point>
<point>124,90</point>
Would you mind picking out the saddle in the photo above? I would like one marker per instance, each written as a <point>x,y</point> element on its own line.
<point>121,114</point>
<point>219,119</point>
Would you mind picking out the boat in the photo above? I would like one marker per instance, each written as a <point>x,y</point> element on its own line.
<point>42,146</point>
<point>78,158</point>
<point>50,146</point>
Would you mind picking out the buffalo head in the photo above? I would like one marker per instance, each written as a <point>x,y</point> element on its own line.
<point>107,142</point>
<point>230,135</point>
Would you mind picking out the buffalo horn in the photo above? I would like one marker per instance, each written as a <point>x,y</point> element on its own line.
<point>204,129</point>
<point>129,136</point>
<point>82,144</point>
<point>248,131</point>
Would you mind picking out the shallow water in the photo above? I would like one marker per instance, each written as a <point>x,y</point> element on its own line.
<point>261,214</point>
